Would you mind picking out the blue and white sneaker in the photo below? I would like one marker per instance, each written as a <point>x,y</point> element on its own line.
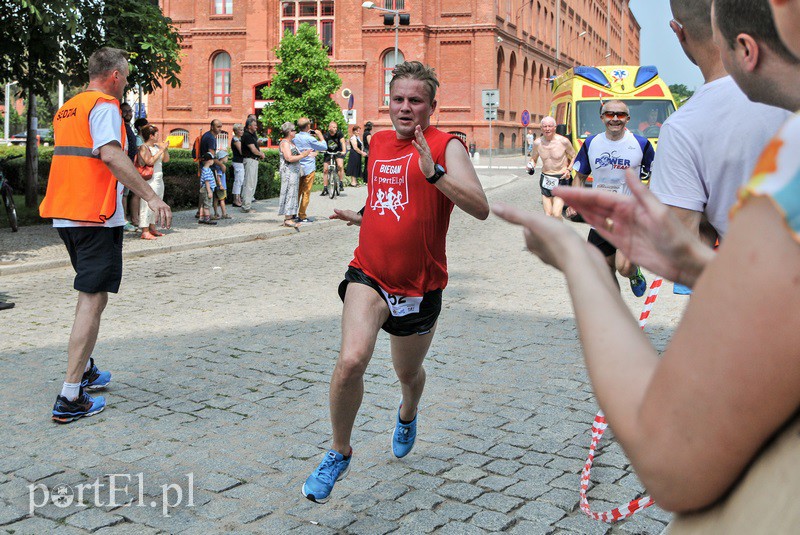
<point>680,289</point>
<point>638,283</point>
<point>94,379</point>
<point>334,467</point>
<point>404,436</point>
<point>66,411</point>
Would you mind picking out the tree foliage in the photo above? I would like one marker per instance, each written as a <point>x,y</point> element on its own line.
<point>680,93</point>
<point>303,83</point>
<point>43,42</point>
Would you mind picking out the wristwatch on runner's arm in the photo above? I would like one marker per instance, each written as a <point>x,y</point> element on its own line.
<point>438,172</point>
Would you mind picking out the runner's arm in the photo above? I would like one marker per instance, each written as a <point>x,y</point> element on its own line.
<point>460,183</point>
<point>571,154</point>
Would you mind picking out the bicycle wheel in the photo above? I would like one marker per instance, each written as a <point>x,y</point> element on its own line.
<point>333,185</point>
<point>11,210</point>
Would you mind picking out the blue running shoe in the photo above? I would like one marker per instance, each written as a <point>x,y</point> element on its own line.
<point>333,468</point>
<point>94,379</point>
<point>404,437</point>
<point>638,283</point>
<point>66,411</point>
<point>680,289</point>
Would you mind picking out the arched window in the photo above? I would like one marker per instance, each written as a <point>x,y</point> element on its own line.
<point>222,79</point>
<point>388,67</point>
<point>502,139</point>
<point>184,134</point>
<point>222,140</point>
<point>223,7</point>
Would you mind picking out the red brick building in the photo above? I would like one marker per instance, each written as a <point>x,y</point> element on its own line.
<point>514,46</point>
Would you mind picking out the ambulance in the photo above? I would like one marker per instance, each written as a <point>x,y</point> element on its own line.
<point>579,93</point>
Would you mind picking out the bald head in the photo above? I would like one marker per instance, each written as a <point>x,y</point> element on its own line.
<point>548,121</point>
<point>694,16</point>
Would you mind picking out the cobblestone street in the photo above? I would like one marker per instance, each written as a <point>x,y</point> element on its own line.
<point>221,359</point>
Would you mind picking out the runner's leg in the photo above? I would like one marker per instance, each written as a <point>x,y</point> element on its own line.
<point>547,204</point>
<point>408,353</point>
<point>84,332</point>
<point>363,314</point>
<point>558,207</point>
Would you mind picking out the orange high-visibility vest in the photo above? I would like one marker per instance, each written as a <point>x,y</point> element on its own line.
<point>81,187</point>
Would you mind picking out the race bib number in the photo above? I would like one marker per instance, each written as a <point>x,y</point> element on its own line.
<point>400,305</point>
<point>549,182</point>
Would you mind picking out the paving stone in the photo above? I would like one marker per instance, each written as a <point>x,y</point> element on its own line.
<point>463,492</point>
<point>422,522</point>
<point>540,512</point>
<point>391,510</point>
<point>457,511</point>
<point>216,482</point>
<point>459,528</point>
<point>527,527</point>
<point>93,519</point>
<point>497,483</point>
<point>38,525</point>
<point>492,521</point>
<point>495,501</point>
<point>372,526</point>
<point>464,473</point>
<point>38,471</point>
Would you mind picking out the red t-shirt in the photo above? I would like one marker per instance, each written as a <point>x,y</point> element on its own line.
<point>403,232</point>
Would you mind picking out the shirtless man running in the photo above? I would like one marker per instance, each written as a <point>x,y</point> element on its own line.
<point>557,154</point>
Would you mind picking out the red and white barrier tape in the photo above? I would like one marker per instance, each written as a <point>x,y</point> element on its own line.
<point>599,427</point>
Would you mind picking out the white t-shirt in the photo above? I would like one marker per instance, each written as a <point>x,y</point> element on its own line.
<point>105,125</point>
<point>708,148</point>
<point>610,161</point>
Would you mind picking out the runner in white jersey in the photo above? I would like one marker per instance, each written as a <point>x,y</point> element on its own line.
<point>609,157</point>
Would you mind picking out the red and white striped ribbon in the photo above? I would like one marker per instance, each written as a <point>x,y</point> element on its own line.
<point>599,427</point>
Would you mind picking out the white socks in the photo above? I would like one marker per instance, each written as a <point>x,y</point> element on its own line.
<point>70,390</point>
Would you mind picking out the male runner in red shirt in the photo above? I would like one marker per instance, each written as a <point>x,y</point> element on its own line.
<point>416,175</point>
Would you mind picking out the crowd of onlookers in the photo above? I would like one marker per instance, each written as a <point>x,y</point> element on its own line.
<point>298,149</point>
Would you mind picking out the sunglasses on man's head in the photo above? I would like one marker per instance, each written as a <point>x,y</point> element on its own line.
<point>618,114</point>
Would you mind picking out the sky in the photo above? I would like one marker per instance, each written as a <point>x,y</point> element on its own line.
<point>660,47</point>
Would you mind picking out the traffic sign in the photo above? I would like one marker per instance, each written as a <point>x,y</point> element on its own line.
<point>490,98</point>
<point>490,114</point>
<point>350,101</point>
<point>526,118</point>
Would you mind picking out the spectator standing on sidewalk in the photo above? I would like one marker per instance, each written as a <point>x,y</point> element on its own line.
<point>84,198</point>
<point>290,175</point>
<point>131,217</point>
<point>152,153</point>
<point>356,154</point>
<point>303,140</point>
<point>251,154</point>
<point>238,165</point>
<point>333,155</point>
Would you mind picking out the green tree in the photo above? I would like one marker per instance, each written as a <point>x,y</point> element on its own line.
<point>680,93</point>
<point>43,42</point>
<point>303,83</point>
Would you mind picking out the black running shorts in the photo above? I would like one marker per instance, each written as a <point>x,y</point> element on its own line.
<point>416,323</point>
<point>96,255</point>
<point>561,182</point>
<point>605,247</point>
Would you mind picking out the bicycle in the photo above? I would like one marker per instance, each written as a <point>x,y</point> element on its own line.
<point>8,196</point>
<point>334,186</point>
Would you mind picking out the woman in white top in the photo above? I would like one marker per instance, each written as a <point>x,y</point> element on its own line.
<point>152,153</point>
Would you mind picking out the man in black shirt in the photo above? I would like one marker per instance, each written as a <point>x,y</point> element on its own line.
<point>335,142</point>
<point>250,154</point>
<point>130,202</point>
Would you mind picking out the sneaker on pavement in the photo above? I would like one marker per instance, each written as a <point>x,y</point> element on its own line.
<point>638,283</point>
<point>129,227</point>
<point>333,468</point>
<point>404,437</point>
<point>94,379</point>
<point>66,411</point>
<point>680,289</point>
<point>324,192</point>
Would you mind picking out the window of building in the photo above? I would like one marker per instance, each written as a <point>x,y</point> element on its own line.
<point>184,134</point>
<point>223,7</point>
<point>222,79</point>
<point>388,67</point>
<point>317,13</point>
<point>394,4</point>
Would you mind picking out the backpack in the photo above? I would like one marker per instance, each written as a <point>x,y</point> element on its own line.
<point>196,148</point>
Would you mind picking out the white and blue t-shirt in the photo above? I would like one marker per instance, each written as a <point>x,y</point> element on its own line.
<point>609,161</point>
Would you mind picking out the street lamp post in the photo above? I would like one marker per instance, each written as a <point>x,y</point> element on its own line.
<point>569,46</point>
<point>397,19</point>
<point>7,108</point>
